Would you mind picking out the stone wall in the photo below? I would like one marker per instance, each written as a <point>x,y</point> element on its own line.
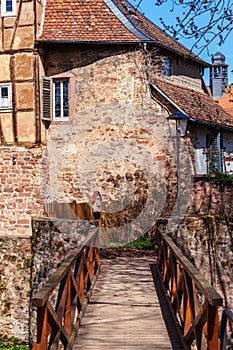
<point>26,263</point>
<point>15,286</point>
<point>207,241</point>
<point>117,131</point>
<point>209,198</point>
<point>21,174</point>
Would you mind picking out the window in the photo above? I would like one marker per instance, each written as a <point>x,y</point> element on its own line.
<point>166,67</point>
<point>8,8</point>
<point>5,96</point>
<point>57,100</point>
<point>61,99</point>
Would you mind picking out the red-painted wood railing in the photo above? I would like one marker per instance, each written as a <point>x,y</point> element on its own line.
<point>61,302</point>
<point>194,301</point>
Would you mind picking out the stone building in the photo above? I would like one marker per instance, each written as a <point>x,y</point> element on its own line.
<point>85,92</point>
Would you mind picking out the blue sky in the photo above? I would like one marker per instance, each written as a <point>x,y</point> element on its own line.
<point>155,12</point>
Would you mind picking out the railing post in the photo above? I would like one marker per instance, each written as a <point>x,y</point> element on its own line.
<point>212,328</point>
<point>81,279</point>
<point>90,265</point>
<point>67,320</point>
<point>42,328</point>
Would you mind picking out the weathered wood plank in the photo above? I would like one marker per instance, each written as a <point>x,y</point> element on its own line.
<point>124,312</point>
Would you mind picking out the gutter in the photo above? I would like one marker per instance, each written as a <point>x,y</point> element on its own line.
<point>169,100</point>
<point>213,124</point>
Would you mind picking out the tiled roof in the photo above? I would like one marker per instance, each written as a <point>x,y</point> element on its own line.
<point>194,103</point>
<point>83,20</point>
<point>227,100</point>
<point>103,21</point>
<point>154,32</point>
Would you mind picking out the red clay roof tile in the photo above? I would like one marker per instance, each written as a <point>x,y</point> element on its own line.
<point>226,101</point>
<point>103,20</point>
<point>83,20</point>
<point>196,104</point>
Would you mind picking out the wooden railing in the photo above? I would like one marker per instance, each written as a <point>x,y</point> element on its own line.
<point>61,302</point>
<point>226,333</point>
<point>194,301</point>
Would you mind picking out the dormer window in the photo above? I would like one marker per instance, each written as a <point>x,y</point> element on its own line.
<point>8,8</point>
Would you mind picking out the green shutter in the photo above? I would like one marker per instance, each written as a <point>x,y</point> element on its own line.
<point>46,99</point>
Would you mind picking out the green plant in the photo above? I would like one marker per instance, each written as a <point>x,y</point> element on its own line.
<point>13,344</point>
<point>221,179</point>
<point>142,244</point>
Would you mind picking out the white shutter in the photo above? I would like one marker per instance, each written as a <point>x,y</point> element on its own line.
<point>46,99</point>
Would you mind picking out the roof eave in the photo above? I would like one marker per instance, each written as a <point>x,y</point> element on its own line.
<point>191,119</point>
<point>122,42</point>
<point>213,124</point>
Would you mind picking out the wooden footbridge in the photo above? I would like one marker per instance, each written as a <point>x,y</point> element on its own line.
<point>129,303</point>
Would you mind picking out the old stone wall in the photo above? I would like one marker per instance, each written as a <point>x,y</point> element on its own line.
<point>20,188</point>
<point>207,241</point>
<point>26,263</point>
<point>15,286</point>
<point>117,131</point>
<point>209,198</point>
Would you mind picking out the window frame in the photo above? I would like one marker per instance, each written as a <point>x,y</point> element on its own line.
<point>7,108</point>
<point>61,80</point>
<point>4,12</point>
<point>48,98</point>
<point>166,67</point>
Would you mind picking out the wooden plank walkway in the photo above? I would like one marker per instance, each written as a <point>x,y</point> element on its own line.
<point>125,311</point>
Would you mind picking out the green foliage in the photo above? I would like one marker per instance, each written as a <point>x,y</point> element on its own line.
<point>142,244</point>
<point>221,179</point>
<point>13,344</point>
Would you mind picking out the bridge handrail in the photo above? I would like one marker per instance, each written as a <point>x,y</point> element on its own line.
<point>194,301</point>
<point>207,289</point>
<point>227,315</point>
<point>71,284</point>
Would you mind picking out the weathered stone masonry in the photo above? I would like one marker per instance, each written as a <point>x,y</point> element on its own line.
<point>21,176</point>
